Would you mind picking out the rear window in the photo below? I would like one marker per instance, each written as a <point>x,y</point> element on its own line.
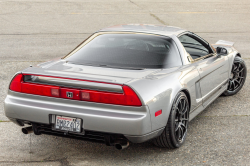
<point>128,51</point>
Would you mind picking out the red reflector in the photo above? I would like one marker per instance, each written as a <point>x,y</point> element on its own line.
<point>16,83</point>
<point>37,89</point>
<point>85,95</point>
<point>55,92</point>
<point>157,113</point>
<point>129,97</point>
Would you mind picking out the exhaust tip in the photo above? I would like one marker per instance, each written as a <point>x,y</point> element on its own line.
<point>122,145</point>
<point>27,130</point>
<point>118,146</point>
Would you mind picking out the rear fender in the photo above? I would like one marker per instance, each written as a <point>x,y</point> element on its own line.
<point>232,52</point>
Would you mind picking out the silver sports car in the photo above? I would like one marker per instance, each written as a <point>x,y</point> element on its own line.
<point>126,83</point>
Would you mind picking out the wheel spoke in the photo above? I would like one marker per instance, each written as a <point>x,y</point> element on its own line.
<point>233,85</point>
<point>176,127</point>
<point>241,70</point>
<point>237,82</point>
<point>181,107</point>
<point>183,113</point>
<point>185,119</point>
<point>181,133</point>
<point>177,109</point>
<point>178,133</point>
<point>239,66</point>
<point>184,107</point>
<point>184,126</point>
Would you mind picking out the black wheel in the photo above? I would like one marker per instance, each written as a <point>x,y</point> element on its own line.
<point>175,131</point>
<point>237,77</point>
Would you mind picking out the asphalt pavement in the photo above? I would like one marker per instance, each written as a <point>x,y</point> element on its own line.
<point>34,31</point>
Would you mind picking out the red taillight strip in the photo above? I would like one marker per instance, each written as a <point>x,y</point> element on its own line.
<point>128,97</point>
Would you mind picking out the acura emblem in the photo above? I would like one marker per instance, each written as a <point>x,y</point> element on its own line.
<point>69,94</point>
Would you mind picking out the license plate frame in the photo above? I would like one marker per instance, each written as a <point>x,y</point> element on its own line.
<point>68,124</point>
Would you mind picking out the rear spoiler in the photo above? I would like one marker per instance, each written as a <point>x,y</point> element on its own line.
<point>223,42</point>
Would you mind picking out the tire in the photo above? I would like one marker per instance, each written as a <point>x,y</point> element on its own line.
<point>237,77</point>
<point>175,132</point>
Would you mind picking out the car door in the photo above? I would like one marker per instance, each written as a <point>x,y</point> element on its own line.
<point>213,69</point>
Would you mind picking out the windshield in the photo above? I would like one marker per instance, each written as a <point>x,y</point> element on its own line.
<point>128,51</point>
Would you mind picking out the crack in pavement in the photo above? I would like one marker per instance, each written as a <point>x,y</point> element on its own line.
<point>157,18</point>
<point>134,3</point>
<point>151,14</point>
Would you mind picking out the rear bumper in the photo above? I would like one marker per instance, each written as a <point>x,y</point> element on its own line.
<point>132,122</point>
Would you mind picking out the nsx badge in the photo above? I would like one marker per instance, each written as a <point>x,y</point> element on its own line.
<point>69,94</point>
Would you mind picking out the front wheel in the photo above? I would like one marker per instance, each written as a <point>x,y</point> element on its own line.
<point>175,131</point>
<point>237,77</point>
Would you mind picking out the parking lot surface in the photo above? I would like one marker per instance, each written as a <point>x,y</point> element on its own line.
<point>34,31</point>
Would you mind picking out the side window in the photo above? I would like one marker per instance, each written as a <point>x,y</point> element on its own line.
<point>188,40</point>
<point>194,47</point>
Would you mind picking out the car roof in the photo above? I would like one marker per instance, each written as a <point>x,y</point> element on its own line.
<point>145,28</point>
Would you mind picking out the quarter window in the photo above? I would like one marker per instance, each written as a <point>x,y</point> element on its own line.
<point>194,47</point>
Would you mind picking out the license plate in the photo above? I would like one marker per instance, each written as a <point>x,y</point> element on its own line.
<point>68,124</point>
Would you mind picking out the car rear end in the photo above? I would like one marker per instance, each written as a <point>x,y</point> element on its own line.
<point>97,111</point>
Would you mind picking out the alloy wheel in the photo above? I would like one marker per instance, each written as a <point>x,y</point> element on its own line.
<point>181,119</point>
<point>236,77</point>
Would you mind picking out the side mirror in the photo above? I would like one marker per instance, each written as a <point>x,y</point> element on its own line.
<point>221,51</point>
